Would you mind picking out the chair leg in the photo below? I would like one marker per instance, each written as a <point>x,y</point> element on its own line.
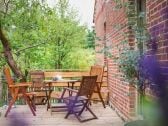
<point>100,96</point>
<point>84,120</point>
<point>87,108</point>
<point>77,114</point>
<point>69,112</point>
<point>29,104</point>
<point>10,106</point>
<point>32,102</point>
<point>83,108</point>
<point>101,99</point>
<point>95,117</point>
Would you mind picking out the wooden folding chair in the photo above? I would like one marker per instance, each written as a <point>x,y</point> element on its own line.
<point>18,90</point>
<point>79,100</point>
<point>98,70</point>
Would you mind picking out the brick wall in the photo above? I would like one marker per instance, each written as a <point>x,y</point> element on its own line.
<point>123,97</point>
<point>157,19</point>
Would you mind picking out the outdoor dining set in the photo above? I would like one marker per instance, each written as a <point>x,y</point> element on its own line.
<point>72,100</point>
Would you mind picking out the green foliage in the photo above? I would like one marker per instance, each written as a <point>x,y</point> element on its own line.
<point>129,55</point>
<point>45,38</point>
<point>128,64</point>
<point>80,59</point>
<point>2,59</point>
<point>90,39</point>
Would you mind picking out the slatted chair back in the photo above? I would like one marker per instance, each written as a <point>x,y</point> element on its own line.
<point>9,80</point>
<point>97,70</point>
<point>88,84</point>
<point>37,77</point>
<point>8,76</point>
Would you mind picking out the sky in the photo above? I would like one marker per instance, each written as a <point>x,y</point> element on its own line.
<point>85,9</point>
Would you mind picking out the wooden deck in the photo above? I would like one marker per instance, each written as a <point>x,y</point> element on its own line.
<point>21,116</point>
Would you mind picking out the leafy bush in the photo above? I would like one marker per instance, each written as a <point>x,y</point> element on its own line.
<point>128,64</point>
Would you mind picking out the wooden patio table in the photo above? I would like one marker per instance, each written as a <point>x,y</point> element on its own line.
<point>49,83</point>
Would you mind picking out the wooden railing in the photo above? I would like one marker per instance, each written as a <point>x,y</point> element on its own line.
<point>72,75</point>
<point>50,74</point>
<point>67,74</point>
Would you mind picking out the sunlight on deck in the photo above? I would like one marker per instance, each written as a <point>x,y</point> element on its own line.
<point>22,114</point>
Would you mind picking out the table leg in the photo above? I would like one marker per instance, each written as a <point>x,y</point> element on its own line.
<point>48,96</point>
<point>72,87</point>
<point>70,94</point>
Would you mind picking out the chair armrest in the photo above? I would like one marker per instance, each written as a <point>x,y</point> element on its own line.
<point>67,89</point>
<point>24,84</point>
<point>70,89</point>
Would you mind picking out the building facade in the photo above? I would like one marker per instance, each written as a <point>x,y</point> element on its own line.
<point>111,19</point>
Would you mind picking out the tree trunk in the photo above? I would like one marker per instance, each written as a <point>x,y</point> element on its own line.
<point>0,86</point>
<point>9,57</point>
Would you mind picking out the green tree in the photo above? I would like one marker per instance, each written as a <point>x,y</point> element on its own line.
<point>90,41</point>
<point>40,37</point>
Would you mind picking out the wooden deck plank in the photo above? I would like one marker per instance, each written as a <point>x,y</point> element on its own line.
<point>106,117</point>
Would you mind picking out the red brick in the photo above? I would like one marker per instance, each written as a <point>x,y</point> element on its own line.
<point>157,21</point>
<point>164,4</point>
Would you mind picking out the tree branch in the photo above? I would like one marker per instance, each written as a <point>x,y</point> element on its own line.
<point>9,57</point>
<point>6,3</point>
<point>29,47</point>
